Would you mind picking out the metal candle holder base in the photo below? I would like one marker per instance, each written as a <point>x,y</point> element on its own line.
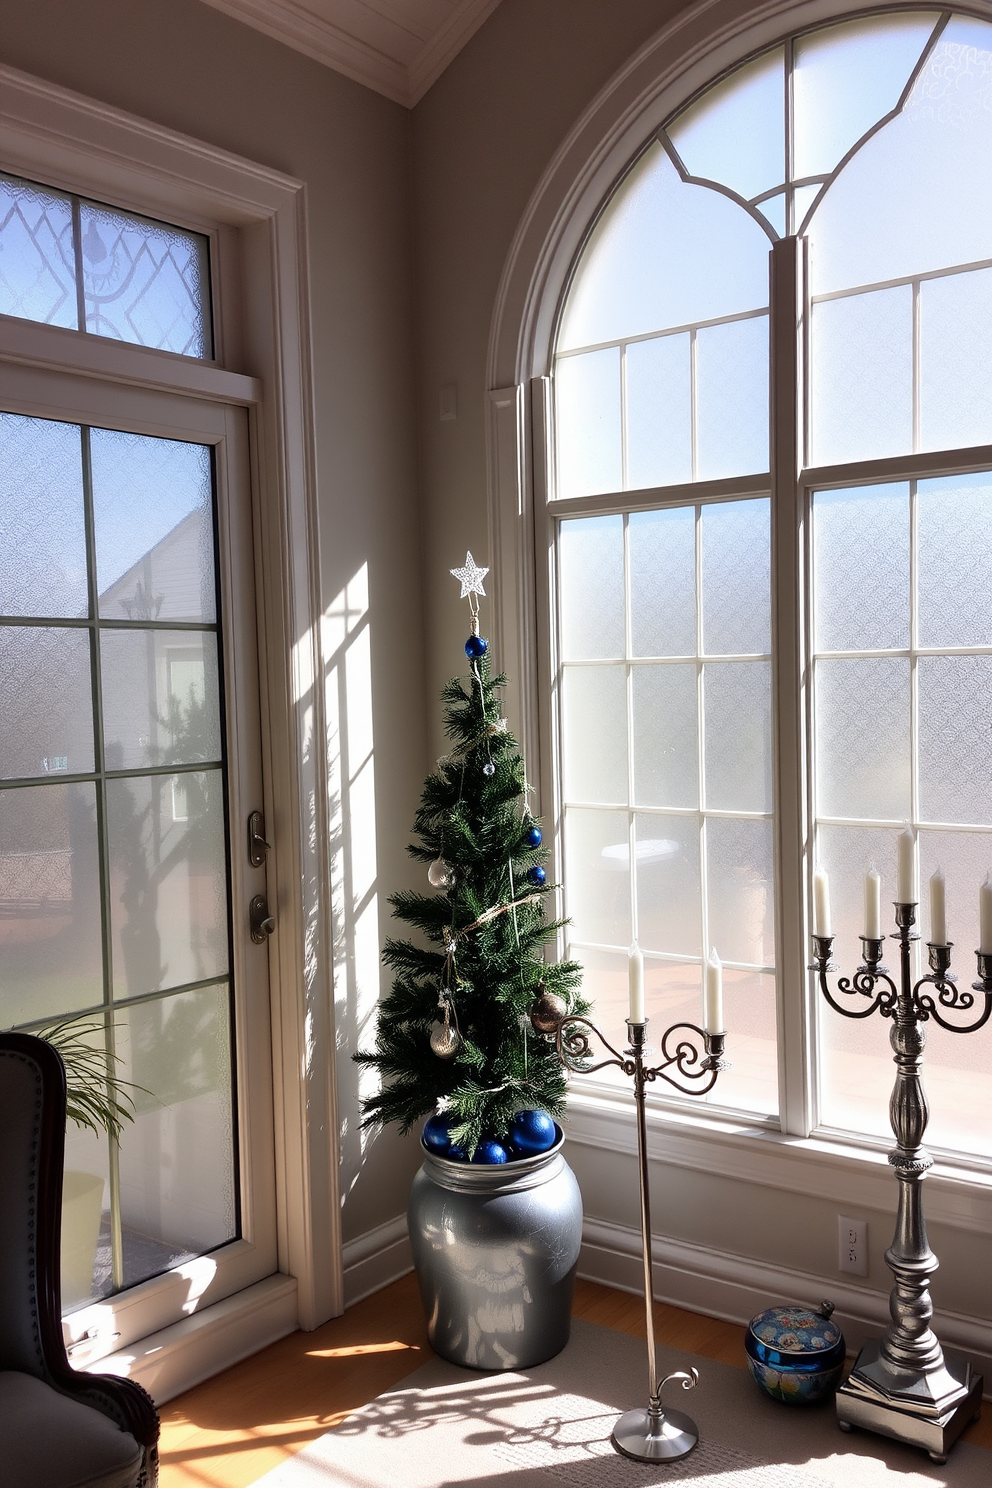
<point>654,1434</point>
<point>904,1385</point>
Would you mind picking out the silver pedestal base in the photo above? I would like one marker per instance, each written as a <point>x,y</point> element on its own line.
<point>636,1435</point>
<point>927,1411</point>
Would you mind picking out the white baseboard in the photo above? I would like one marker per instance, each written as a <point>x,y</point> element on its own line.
<point>735,1288</point>
<point>373,1260</point>
<point>181,1356</point>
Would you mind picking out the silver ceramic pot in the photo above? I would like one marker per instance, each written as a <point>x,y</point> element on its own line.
<point>495,1251</point>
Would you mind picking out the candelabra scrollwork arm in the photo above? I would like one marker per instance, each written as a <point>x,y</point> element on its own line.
<point>950,996</point>
<point>691,1059</point>
<point>575,1048</point>
<point>871,980</point>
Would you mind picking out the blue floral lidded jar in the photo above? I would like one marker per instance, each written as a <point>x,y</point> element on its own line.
<point>796,1354</point>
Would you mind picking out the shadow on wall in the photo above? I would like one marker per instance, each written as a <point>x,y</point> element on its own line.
<point>352,854</point>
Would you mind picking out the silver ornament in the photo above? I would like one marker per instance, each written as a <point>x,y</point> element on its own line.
<point>489,768</point>
<point>548,1010</point>
<point>440,875</point>
<point>445,1040</point>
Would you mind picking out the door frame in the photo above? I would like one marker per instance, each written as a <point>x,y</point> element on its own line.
<point>256,221</point>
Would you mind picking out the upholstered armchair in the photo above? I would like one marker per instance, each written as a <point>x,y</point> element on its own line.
<point>58,1429</point>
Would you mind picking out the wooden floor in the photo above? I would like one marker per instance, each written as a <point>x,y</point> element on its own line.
<point>242,1423</point>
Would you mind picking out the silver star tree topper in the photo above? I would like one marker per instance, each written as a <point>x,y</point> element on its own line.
<point>470,577</point>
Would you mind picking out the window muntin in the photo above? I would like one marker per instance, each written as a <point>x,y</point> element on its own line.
<point>665,691</point>
<point>912,372</point>
<point>86,266</point>
<point>114,903</point>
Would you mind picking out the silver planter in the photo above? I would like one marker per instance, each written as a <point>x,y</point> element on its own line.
<point>495,1251</point>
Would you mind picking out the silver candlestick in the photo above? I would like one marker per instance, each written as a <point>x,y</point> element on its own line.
<point>904,1385</point>
<point>655,1434</point>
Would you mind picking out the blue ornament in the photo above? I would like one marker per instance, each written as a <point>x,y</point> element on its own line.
<point>533,837</point>
<point>456,1154</point>
<point>536,875</point>
<point>533,1132</point>
<point>437,1134</point>
<point>490,1152</point>
<point>475,647</point>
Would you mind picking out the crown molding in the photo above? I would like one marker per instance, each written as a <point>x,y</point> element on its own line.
<point>404,80</point>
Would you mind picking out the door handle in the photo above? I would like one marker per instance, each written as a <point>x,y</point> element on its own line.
<point>260,922</point>
<point>257,845</point>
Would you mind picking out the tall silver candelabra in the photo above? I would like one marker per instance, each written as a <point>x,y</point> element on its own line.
<point>655,1434</point>
<point>904,1385</point>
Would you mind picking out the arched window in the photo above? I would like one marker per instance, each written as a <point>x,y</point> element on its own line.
<point>772,496</point>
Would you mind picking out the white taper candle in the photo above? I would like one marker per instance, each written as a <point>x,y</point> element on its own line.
<point>822,924</point>
<point>985,915</point>
<point>938,917</point>
<point>907,868</point>
<point>713,995</point>
<point>873,904</point>
<point>635,983</point>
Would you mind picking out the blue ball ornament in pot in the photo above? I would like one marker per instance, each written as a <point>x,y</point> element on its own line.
<point>796,1354</point>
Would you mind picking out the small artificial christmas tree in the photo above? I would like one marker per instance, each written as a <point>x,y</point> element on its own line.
<point>455,1033</point>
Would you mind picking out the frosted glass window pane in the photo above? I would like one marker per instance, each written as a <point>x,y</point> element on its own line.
<point>861,585</point>
<point>862,376</point>
<point>668,884</point>
<point>42,535</point>
<point>663,582</point>
<point>740,888</point>
<point>659,412</point>
<point>52,959</point>
<point>855,1058</point>
<point>594,734</point>
<point>590,570</point>
<point>37,264</point>
<point>604,982</point>
<point>161,698</point>
<point>152,501</point>
<point>862,738</point>
<point>597,876</point>
<point>749,1013</point>
<point>664,255</point>
<point>666,771</point>
<point>803,198</point>
<point>906,203</point>
<point>846,78</point>
<point>587,423</point>
<point>177,1156</point>
<point>46,702</point>
<point>955,713</point>
<point>956,360</point>
<point>773,210</point>
<point>736,568</point>
<point>144,281</point>
<point>737,698</point>
<point>735,133</point>
<point>732,393</point>
<point>167,865</point>
<point>954,535</point>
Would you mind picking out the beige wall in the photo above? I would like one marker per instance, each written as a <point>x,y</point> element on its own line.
<point>482,138</point>
<point>185,65</point>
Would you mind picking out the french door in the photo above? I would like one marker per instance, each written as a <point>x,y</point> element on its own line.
<point>129,764</point>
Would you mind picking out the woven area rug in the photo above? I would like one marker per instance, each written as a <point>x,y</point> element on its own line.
<point>549,1427</point>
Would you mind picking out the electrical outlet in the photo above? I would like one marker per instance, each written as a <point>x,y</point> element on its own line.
<point>852,1235</point>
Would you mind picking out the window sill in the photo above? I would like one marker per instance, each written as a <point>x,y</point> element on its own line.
<point>826,1167</point>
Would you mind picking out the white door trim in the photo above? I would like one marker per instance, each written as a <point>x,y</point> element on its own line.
<point>256,220</point>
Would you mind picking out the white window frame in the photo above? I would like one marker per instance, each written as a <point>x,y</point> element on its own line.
<point>255,219</point>
<point>691,52</point>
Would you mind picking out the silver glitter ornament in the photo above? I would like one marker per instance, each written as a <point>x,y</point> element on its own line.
<point>440,875</point>
<point>548,1010</point>
<point>489,768</point>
